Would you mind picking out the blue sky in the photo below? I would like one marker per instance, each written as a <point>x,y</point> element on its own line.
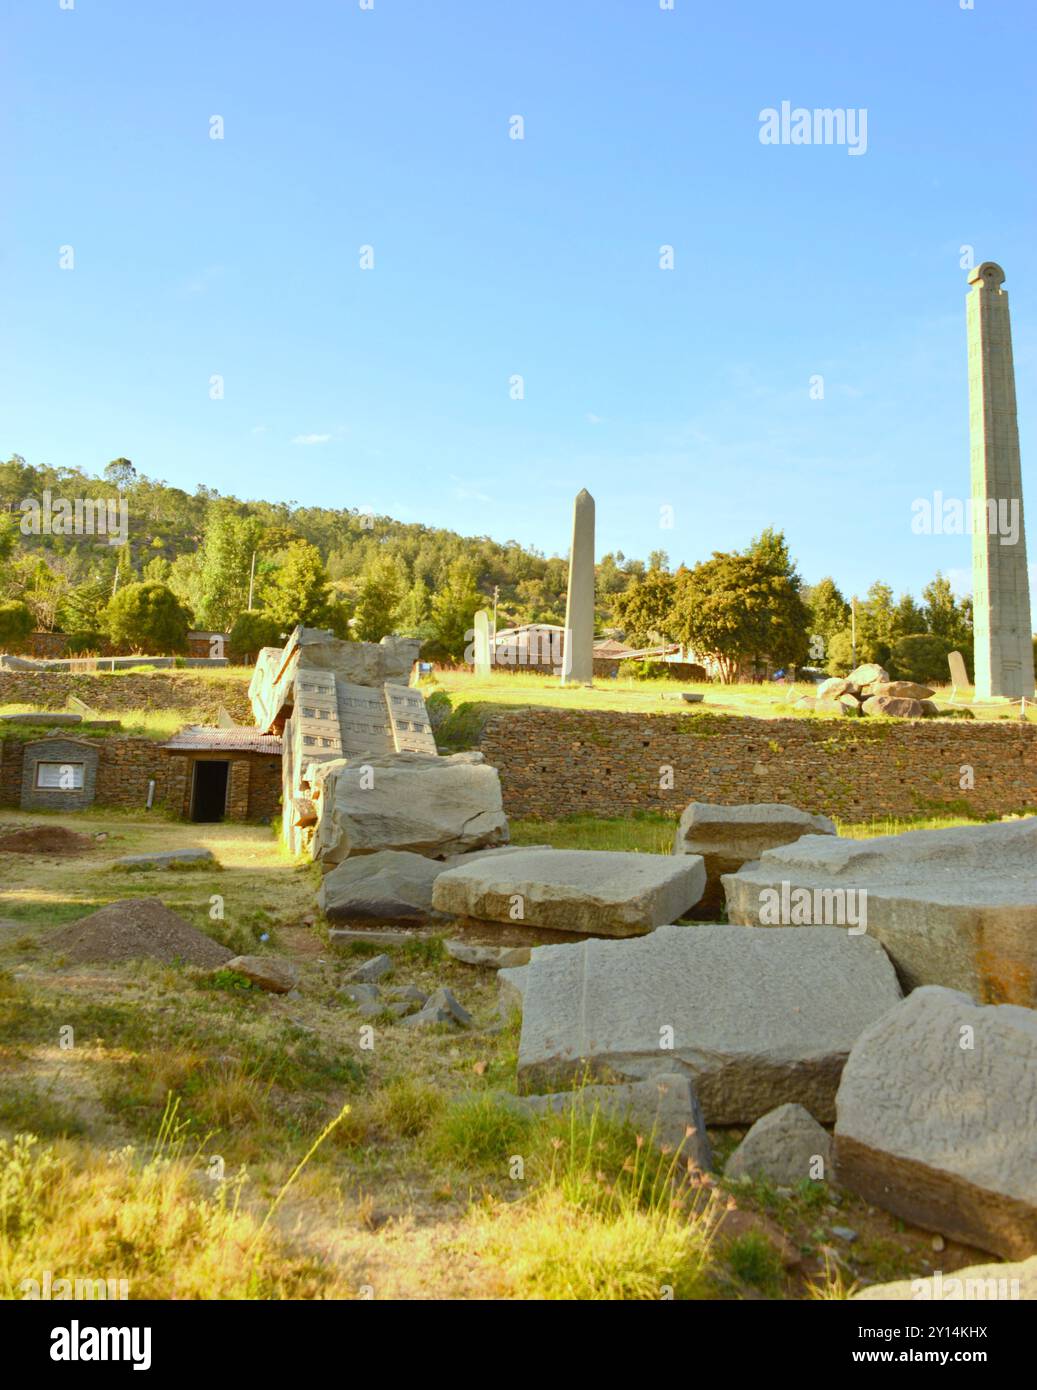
<point>389,387</point>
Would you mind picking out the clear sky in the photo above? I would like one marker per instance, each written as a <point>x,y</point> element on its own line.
<point>493,257</point>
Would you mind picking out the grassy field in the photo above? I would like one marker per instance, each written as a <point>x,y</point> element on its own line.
<point>523,689</point>
<point>202,1139</point>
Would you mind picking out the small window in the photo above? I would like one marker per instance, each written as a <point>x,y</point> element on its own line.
<point>63,777</point>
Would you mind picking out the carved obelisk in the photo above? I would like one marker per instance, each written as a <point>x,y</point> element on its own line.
<point>578,656</point>
<point>1000,580</point>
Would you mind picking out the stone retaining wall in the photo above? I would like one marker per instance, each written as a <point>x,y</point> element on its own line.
<point>564,762</point>
<point>166,690</point>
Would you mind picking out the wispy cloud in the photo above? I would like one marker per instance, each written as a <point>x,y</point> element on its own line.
<point>311,439</point>
<point>593,419</point>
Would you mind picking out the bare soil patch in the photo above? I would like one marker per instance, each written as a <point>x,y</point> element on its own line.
<point>137,928</point>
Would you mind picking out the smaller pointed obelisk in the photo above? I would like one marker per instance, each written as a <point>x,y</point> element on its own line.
<point>578,656</point>
<point>482,644</point>
<point>1000,579</point>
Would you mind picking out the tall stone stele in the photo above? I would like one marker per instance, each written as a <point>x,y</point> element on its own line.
<point>578,660</point>
<point>1000,580</point>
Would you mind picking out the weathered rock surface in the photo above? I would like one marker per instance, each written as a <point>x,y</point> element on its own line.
<point>664,1107</point>
<point>511,985</point>
<point>408,801</point>
<point>937,1119</point>
<point>390,885</point>
<point>371,970</point>
<point>952,907</point>
<point>868,675</point>
<point>442,1006</point>
<point>595,891</point>
<point>785,1146</point>
<point>907,690</point>
<point>977,1282</point>
<point>729,836</point>
<point>835,686</point>
<point>492,957</point>
<point>755,1018</point>
<point>893,707</point>
<point>271,973</point>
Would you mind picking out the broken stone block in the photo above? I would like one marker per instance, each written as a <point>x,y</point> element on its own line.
<point>593,891</point>
<point>371,970</point>
<point>893,707</point>
<point>664,1107</point>
<point>937,1118</point>
<point>784,1147</point>
<point>408,801</point>
<point>268,972</point>
<point>729,836</point>
<point>756,1018</point>
<point>952,907</point>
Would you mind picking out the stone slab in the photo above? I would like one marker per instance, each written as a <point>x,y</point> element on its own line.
<point>729,836</point>
<point>976,1283</point>
<point>595,891</point>
<point>756,1018</point>
<point>952,907</point>
<point>164,859</point>
<point>937,1119</point>
<point>785,1147</point>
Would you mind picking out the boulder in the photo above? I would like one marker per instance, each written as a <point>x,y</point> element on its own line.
<point>1000,1281</point>
<point>907,690</point>
<point>784,1147</point>
<point>441,1007</point>
<point>845,706</point>
<point>271,973</point>
<point>867,675</point>
<point>389,885</point>
<point>729,836</point>
<point>936,1119</point>
<point>755,1018</point>
<point>952,907</point>
<point>573,890</point>
<point>371,970</point>
<point>930,709</point>
<point>835,686</point>
<point>408,801</point>
<point>893,707</point>
<point>665,1108</point>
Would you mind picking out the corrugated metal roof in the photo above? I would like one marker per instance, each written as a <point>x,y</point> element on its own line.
<point>199,738</point>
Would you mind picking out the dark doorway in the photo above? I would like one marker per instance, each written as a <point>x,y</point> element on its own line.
<point>209,793</point>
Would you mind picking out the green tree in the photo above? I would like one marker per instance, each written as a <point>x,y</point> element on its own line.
<point>147,615</point>
<point>229,543</point>
<point>16,622</point>
<point>921,657</point>
<point>378,600</point>
<point>453,612</point>
<point>734,608</point>
<point>646,611</point>
<point>252,630</point>
<point>298,592</point>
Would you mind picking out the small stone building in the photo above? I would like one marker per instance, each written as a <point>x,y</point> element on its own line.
<point>223,774</point>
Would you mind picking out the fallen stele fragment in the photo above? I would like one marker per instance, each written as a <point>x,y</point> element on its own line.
<point>756,1018</point>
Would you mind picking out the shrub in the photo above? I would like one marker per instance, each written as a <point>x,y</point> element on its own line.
<point>645,670</point>
<point>16,622</point>
<point>148,615</point>
<point>252,630</point>
<point>921,658</point>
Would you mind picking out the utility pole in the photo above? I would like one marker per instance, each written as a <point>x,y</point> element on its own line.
<point>496,596</point>
<point>252,580</point>
<point>853,633</point>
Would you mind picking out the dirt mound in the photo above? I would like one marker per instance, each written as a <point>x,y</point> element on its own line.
<point>135,929</point>
<point>43,839</point>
